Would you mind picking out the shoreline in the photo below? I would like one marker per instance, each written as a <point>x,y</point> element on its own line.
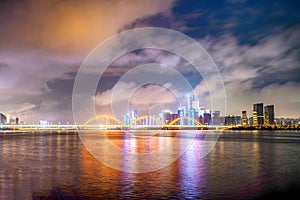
<point>167,128</point>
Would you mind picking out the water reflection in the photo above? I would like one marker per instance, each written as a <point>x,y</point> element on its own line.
<point>148,151</point>
<point>239,166</point>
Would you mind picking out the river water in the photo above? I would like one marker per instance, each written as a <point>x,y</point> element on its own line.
<point>241,165</point>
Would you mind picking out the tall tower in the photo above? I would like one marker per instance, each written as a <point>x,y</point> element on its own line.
<point>191,115</point>
<point>189,102</point>
<point>254,120</point>
<point>259,109</point>
<point>134,114</point>
<point>2,118</point>
<point>244,118</point>
<point>269,115</point>
<point>8,119</point>
<point>181,114</point>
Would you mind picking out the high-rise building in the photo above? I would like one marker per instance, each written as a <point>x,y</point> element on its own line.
<point>254,118</point>
<point>2,118</point>
<point>126,120</point>
<point>251,121</point>
<point>244,118</point>
<point>181,114</point>
<point>238,120</point>
<point>134,114</point>
<point>207,118</point>
<point>216,119</point>
<point>8,119</point>
<point>189,100</point>
<point>230,120</point>
<point>192,115</point>
<point>269,115</point>
<point>216,113</point>
<point>259,109</point>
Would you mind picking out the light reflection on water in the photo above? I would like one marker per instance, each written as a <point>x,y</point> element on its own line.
<point>241,165</point>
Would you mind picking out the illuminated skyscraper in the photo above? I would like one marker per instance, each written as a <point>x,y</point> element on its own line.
<point>269,115</point>
<point>181,115</point>
<point>8,119</point>
<point>244,118</point>
<point>259,109</point>
<point>251,120</point>
<point>192,115</point>
<point>126,120</point>
<point>238,120</point>
<point>189,101</point>
<point>254,122</point>
<point>2,118</point>
<point>134,114</point>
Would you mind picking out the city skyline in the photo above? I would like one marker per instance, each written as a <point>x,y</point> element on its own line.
<point>189,114</point>
<point>260,115</point>
<point>254,44</point>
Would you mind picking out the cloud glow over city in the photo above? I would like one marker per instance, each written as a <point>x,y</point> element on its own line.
<point>255,46</point>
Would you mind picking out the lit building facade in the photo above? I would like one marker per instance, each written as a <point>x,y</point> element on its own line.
<point>254,118</point>
<point>2,118</point>
<point>259,109</point>
<point>269,115</point>
<point>244,118</point>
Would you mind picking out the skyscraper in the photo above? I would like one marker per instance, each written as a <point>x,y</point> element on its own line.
<point>254,118</point>
<point>2,118</point>
<point>244,118</point>
<point>259,109</point>
<point>191,115</point>
<point>216,118</point>
<point>126,119</point>
<point>134,114</point>
<point>230,120</point>
<point>189,100</point>
<point>269,115</point>
<point>8,119</point>
<point>207,118</point>
<point>181,115</point>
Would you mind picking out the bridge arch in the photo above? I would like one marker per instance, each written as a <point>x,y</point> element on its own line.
<point>106,117</point>
<point>146,117</point>
<point>188,118</point>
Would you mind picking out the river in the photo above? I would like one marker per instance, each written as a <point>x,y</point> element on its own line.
<point>241,165</point>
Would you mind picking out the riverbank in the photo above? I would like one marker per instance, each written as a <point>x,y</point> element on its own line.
<point>263,128</point>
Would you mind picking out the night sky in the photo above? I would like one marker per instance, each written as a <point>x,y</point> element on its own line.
<point>255,45</point>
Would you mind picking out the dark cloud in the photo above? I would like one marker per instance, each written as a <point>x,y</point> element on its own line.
<point>254,43</point>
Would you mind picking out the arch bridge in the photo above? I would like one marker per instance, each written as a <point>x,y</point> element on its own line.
<point>110,122</point>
